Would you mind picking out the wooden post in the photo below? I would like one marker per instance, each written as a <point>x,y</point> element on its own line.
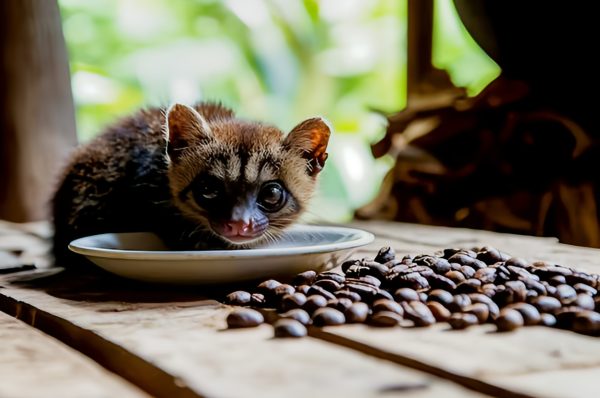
<point>37,124</point>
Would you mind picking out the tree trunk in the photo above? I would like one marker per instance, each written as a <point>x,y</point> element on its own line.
<point>37,125</point>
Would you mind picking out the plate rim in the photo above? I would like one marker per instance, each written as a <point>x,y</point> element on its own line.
<point>363,238</point>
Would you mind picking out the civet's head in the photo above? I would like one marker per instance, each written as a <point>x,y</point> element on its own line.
<point>244,181</point>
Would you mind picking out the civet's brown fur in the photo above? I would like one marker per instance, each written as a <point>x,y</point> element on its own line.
<point>134,176</point>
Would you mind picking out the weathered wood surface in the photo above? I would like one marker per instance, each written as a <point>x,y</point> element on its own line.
<point>188,340</point>
<point>35,365</point>
<point>174,343</point>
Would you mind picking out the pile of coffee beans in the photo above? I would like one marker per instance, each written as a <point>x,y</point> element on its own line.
<point>459,286</point>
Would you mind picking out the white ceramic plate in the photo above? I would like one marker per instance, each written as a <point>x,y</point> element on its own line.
<point>142,256</point>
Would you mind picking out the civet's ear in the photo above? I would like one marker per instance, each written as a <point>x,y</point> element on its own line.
<point>185,126</point>
<point>310,138</point>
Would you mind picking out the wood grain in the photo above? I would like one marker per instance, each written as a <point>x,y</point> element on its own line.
<point>35,365</point>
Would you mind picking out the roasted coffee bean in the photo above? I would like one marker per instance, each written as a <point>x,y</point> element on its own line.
<point>459,303</point>
<point>411,280</point>
<point>292,301</point>
<point>267,288</point>
<point>347,294</point>
<point>441,282</point>
<point>371,280</point>
<point>447,253</point>
<point>356,271</point>
<point>284,289</point>
<point>455,276</point>
<point>538,287</point>
<point>439,312</point>
<point>585,301</point>
<point>383,294</point>
<point>387,305</point>
<point>546,304</point>
<point>341,304</point>
<point>366,292</point>
<point>303,289</point>
<point>313,303</point>
<point>332,275</point>
<point>314,289</point>
<point>580,277</point>
<point>467,271</point>
<point>583,288</point>
<point>550,290</point>
<point>516,262</point>
<point>486,275</point>
<point>493,308</point>
<point>385,254</point>
<point>566,316</point>
<point>455,267</point>
<point>406,294</point>
<point>397,270</point>
<point>305,278</point>
<point>327,317</point>
<point>464,259</point>
<point>375,269</point>
<point>423,296</point>
<point>441,296</point>
<point>490,255</point>
<point>349,263</point>
<point>460,321</point>
<point>440,266</point>
<point>509,319</point>
<point>566,294</point>
<point>298,315</point>
<point>547,320</point>
<point>587,322</point>
<point>244,318</point>
<point>530,314</point>
<point>418,312</point>
<point>289,328</point>
<point>357,313</point>
<point>480,310</point>
<point>258,300</point>
<point>328,284</point>
<point>385,319</point>
<point>557,280</point>
<point>238,298</point>
<point>469,286</point>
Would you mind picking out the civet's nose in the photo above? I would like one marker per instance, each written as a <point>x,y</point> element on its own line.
<point>238,228</point>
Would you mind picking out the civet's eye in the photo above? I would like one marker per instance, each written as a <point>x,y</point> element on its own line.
<point>272,197</point>
<point>206,189</point>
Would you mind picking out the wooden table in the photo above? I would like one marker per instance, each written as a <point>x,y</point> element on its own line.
<point>92,336</point>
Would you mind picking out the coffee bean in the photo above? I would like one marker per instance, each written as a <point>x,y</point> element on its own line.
<point>517,262</point>
<point>387,305</point>
<point>258,300</point>
<point>538,287</point>
<point>460,321</point>
<point>292,301</point>
<point>303,289</point>
<point>464,259</point>
<point>349,263</point>
<point>284,289</point>
<point>313,303</point>
<point>347,294</point>
<point>548,320</point>
<point>318,290</point>
<point>447,253</point>
<point>238,298</point>
<point>580,277</point>
<point>366,292</point>
<point>557,280</point>
<point>341,304</point>
<point>439,312</point>
<point>480,310</point>
<point>530,314</point>
<point>485,275</point>
<point>385,254</point>
<point>375,269</point>
<point>583,288</point>
<point>441,282</point>
<point>406,294</point>
<point>385,319</point>
<point>493,308</point>
<point>371,280</point>
<point>455,276</point>
<point>441,296</point>
<point>439,265</point>
<point>467,271</point>
<point>331,275</point>
<point>328,284</point>
<point>289,328</point>
<point>491,255</point>
<point>423,296</point>
<point>305,278</point>
<point>298,315</point>
<point>587,322</point>
<point>509,319</point>
<point>546,304</point>
<point>267,288</point>
<point>418,312</point>
<point>244,318</point>
<point>468,286</point>
<point>566,294</point>
<point>357,270</point>
<point>585,301</point>
<point>327,317</point>
<point>413,280</point>
<point>459,303</point>
<point>383,294</point>
<point>357,313</point>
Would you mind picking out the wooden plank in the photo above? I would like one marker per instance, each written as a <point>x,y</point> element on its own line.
<point>186,344</point>
<point>35,365</point>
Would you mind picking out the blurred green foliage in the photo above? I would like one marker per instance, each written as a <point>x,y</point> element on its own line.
<point>279,61</point>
